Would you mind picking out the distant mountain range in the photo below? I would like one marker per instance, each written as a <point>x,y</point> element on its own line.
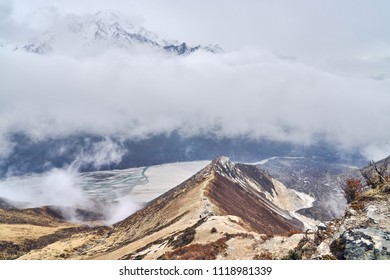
<point>100,31</point>
<point>31,156</point>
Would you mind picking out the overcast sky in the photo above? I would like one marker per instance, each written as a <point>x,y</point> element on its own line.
<point>298,27</point>
<point>297,70</point>
<point>346,37</point>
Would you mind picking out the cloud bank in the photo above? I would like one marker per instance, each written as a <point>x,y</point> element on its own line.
<point>249,92</point>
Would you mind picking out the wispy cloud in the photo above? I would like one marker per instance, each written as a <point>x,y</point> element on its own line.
<point>66,190</point>
<point>100,154</point>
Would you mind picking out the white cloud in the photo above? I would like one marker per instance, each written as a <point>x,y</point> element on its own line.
<point>377,151</point>
<point>101,153</point>
<point>60,188</point>
<point>121,209</point>
<point>249,92</point>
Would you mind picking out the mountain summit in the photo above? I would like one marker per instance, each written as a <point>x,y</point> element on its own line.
<point>100,31</point>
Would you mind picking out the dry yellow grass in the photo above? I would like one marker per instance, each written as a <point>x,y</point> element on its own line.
<point>19,233</point>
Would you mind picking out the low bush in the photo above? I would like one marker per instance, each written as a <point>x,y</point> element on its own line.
<point>353,188</point>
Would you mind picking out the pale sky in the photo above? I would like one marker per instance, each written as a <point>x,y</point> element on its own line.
<point>287,27</point>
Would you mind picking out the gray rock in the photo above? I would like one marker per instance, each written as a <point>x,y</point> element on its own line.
<point>322,226</point>
<point>362,244</point>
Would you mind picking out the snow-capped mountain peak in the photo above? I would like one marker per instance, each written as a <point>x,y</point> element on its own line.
<point>104,30</point>
<point>104,25</point>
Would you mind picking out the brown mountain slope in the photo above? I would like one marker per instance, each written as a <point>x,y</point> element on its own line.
<point>225,211</point>
<point>208,193</point>
<point>23,230</point>
<point>254,209</point>
<point>222,195</point>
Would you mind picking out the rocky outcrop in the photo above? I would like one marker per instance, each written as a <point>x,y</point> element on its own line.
<point>364,232</point>
<point>362,244</point>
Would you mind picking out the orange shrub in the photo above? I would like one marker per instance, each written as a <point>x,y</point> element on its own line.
<point>353,187</point>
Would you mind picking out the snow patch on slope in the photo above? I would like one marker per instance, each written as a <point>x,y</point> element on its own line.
<point>264,161</point>
<point>292,201</point>
<point>289,199</point>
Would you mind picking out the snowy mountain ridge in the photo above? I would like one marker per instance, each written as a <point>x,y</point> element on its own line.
<point>101,31</point>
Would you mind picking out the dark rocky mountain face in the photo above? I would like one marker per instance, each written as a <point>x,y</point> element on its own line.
<point>181,49</point>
